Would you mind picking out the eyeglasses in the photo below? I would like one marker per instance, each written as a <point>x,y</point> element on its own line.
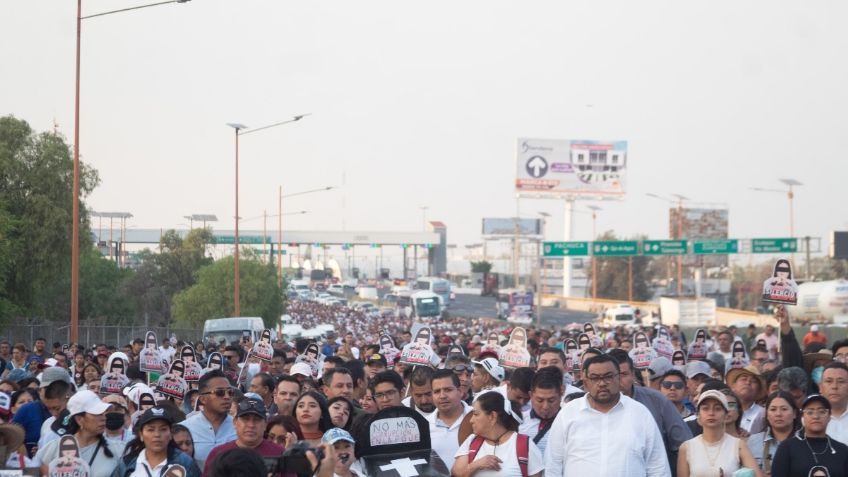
<point>606,379</point>
<point>385,395</point>
<point>219,393</point>
<point>672,385</point>
<point>462,368</point>
<point>732,405</point>
<point>816,412</point>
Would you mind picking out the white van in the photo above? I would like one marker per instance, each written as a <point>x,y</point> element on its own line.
<point>232,329</point>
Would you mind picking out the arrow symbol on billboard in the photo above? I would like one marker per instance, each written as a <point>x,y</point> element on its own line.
<point>537,166</point>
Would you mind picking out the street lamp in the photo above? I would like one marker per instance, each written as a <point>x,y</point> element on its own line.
<point>75,252</point>
<point>679,201</point>
<point>594,209</point>
<point>240,130</point>
<point>280,225</point>
<point>790,194</point>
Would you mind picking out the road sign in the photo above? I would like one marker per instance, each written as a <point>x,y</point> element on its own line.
<point>776,245</point>
<point>243,239</point>
<point>664,247</point>
<point>718,246</point>
<point>615,249</point>
<point>566,249</point>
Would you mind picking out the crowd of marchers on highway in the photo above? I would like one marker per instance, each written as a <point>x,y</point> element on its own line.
<point>489,399</point>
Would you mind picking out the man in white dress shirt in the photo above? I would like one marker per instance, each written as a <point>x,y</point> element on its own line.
<point>605,432</point>
<point>450,410</point>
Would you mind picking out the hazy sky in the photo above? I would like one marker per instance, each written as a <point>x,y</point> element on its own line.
<point>420,104</point>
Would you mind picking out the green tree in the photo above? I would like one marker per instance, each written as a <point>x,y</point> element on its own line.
<point>162,275</point>
<point>481,267</point>
<point>613,275</point>
<point>212,295</point>
<point>36,187</point>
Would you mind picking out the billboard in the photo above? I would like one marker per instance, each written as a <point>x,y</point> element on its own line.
<point>839,244</point>
<point>571,168</point>
<point>699,224</point>
<point>508,226</point>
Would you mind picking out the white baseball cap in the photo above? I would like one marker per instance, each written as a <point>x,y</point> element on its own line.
<point>814,328</point>
<point>492,367</point>
<point>86,402</point>
<point>302,369</point>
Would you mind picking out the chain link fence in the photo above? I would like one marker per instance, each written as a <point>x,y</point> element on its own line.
<point>89,333</point>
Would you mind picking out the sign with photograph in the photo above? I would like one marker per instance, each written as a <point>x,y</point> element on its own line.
<point>780,288</point>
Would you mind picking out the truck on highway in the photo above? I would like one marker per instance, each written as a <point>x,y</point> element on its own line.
<point>620,315</point>
<point>436,285</point>
<point>822,302</point>
<point>689,312</point>
<point>231,330</point>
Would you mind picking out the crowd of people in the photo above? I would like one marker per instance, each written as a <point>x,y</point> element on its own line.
<point>777,409</point>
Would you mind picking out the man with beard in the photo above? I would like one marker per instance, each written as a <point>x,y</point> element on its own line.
<point>605,432</point>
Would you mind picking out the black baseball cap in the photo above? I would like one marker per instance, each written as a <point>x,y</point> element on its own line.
<point>376,358</point>
<point>815,398</point>
<point>153,414</point>
<point>251,406</point>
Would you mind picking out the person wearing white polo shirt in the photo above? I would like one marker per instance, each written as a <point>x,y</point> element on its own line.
<point>450,410</point>
<point>834,387</point>
<point>546,392</point>
<point>488,374</point>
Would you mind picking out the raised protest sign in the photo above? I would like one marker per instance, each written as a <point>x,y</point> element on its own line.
<point>678,359</point>
<point>515,354</point>
<point>662,343</point>
<point>263,349</point>
<point>114,381</point>
<point>780,288</point>
<point>738,358</point>
<point>396,443</point>
<point>149,359</point>
<point>68,462</point>
<point>594,339</point>
<point>641,354</point>
<point>313,357</point>
<point>492,344</point>
<point>193,371</point>
<point>698,347</point>
<point>419,352</point>
<point>173,383</point>
<point>388,349</point>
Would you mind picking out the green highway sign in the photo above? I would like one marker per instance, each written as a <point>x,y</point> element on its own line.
<point>243,239</point>
<point>717,246</point>
<point>775,245</point>
<point>664,247</point>
<point>565,249</point>
<point>615,249</point>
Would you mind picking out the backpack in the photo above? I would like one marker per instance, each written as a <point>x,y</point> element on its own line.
<point>522,450</point>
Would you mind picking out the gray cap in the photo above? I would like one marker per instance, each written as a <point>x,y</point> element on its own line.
<point>659,366</point>
<point>52,374</point>
<point>694,368</point>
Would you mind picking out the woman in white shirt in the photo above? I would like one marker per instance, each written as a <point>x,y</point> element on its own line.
<point>716,452</point>
<point>493,448</point>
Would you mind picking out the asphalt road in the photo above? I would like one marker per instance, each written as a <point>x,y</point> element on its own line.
<point>475,306</point>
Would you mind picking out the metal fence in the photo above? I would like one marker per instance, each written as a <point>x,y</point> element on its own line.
<point>89,333</point>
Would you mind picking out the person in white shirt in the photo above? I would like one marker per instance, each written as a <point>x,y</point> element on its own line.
<point>834,387</point>
<point>546,393</point>
<point>447,418</point>
<point>166,351</point>
<point>420,391</point>
<point>555,357</point>
<point>494,448</point>
<point>488,374</point>
<point>772,341</point>
<point>605,432</point>
<point>750,387</point>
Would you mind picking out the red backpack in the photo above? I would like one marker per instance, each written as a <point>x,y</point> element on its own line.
<point>522,450</point>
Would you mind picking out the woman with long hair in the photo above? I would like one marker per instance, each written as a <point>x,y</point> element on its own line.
<point>492,448</point>
<point>810,446</point>
<point>715,452</point>
<point>341,412</point>
<point>90,372</point>
<point>733,425</point>
<point>86,420</point>
<point>782,418</point>
<point>153,451</point>
<point>312,416</point>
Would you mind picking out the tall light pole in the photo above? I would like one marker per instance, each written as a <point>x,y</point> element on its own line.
<point>790,194</point>
<point>594,209</point>
<point>280,226</point>
<point>679,234</point>
<point>423,218</point>
<point>240,130</point>
<point>75,252</point>
<point>544,275</point>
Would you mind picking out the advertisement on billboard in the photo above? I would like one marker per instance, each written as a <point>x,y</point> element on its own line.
<point>694,224</point>
<point>571,168</point>
<point>512,226</point>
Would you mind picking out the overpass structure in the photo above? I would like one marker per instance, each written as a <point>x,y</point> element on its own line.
<point>433,243</point>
